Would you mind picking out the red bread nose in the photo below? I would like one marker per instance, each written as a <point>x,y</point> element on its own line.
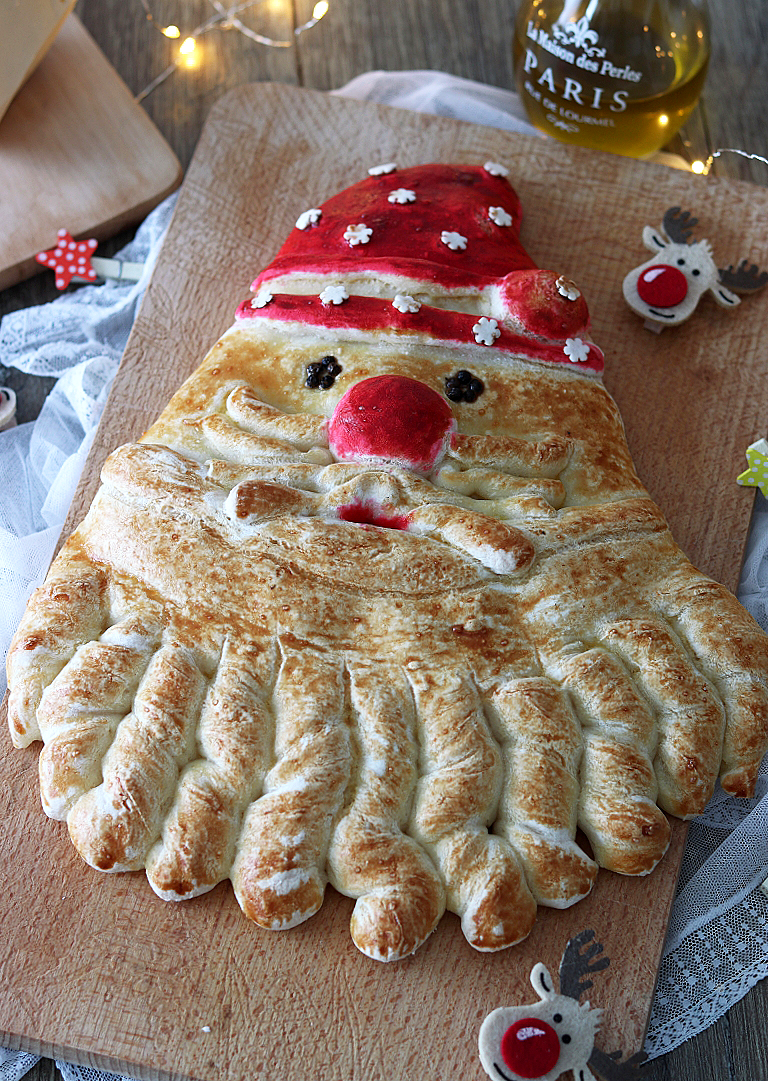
<point>394,420</point>
<point>530,1047</point>
<point>662,286</point>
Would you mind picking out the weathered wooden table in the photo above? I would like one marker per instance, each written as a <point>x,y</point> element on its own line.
<point>469,38</point>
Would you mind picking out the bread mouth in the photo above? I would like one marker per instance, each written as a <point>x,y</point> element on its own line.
<point>369,513</point>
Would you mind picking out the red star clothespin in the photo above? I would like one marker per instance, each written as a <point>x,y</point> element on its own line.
<point>69,259</point>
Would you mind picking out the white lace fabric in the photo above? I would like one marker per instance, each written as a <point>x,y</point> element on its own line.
<point>79,337</point>
<point>717,945</point>
<point>14,1064</point>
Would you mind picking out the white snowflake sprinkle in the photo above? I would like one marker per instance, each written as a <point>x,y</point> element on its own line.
<point>567,288</point>
<point>262,298</point>
<point>576,350</point>
<point>454,241</point>
<point>309,217</point>
<point>486,331</point>
<point>495,169</point>
<point>380,170</point>
<point>357,234</point>
<point>405,303</point>
<point>333,294</point>
<point>499,215</point>
<point>401,195</point>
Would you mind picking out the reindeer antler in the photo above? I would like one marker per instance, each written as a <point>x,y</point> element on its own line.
<point>610,1067</point>
<point>746,278</point>
<point>581,959</point>
<point>678,225</point>
<point>577,963</point>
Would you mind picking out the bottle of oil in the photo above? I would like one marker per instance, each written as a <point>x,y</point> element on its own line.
<point>617,75</point>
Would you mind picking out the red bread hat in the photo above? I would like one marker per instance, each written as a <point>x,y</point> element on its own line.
<point>432,251</point>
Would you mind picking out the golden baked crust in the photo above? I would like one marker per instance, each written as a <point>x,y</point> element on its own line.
<point>260,659</point>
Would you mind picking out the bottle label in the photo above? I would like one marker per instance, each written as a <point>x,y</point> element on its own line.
<point>575,44</point>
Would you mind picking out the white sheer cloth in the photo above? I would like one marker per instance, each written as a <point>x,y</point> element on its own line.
<point>79,338</point>
<point>717,946</point>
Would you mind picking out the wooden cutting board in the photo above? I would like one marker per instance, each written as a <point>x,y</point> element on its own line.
<point>76,153</point>
<point>95,968</point>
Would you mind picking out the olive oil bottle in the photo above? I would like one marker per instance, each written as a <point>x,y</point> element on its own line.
<point>617,75</point>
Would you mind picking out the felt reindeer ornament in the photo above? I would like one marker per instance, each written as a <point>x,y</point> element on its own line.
<point>666,289</point>
<point>558,1032</point>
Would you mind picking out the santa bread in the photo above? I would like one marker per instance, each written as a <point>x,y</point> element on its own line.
<point>380,601</point>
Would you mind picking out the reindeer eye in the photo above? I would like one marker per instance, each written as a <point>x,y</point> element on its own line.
<point>557,1018</point>
<point>681,262</point>
<point>696,273</point>
<point>566,1039</point>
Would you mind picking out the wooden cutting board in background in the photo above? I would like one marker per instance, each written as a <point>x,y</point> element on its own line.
<point>98,970</point>
<point>76,153</point>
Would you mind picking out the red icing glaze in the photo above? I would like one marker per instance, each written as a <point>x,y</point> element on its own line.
<point>392,418</point>
<point>530,1047</point>
<point>662,286</point>
<point>370,514</point>
<point>372,315</point>
<point>536,304</point>
<point>406,236</point>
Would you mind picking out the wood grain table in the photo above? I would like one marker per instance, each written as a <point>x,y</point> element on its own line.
<point>469,38</point>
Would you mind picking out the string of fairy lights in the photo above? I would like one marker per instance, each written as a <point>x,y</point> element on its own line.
<point>225,16</point>
<point>703,167</point>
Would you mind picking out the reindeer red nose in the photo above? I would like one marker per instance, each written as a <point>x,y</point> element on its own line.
<point>394,420</point>
<point>662,286</point>
<point>530,1047</point>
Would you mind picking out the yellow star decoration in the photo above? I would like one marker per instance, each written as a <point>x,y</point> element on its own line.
<point>757,474</point>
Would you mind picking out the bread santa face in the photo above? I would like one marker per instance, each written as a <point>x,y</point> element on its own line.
<point>379,600</point>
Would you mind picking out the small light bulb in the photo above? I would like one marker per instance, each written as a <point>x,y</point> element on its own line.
<point>663,120</point>
<point>172,32</point>
<point>320,9</point>
<point>187,46</point>
<point>698,167</point>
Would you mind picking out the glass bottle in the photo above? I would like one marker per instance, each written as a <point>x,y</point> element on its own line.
<point>617,75</point>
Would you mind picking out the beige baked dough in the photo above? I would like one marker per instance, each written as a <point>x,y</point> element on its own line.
<point>230,681</point>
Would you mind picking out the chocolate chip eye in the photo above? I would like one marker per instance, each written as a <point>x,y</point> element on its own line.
<point>332,365</point>
<point>313,376</point>
<point>566,1038</point>
<point>473,390</point>
<point>463,386</point>
<point>322,373</point>
<point>557,1018</point>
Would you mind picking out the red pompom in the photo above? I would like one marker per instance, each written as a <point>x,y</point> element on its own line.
<point>544,304</point>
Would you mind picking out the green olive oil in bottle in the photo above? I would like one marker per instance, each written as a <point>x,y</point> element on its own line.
<point>616,75</point>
